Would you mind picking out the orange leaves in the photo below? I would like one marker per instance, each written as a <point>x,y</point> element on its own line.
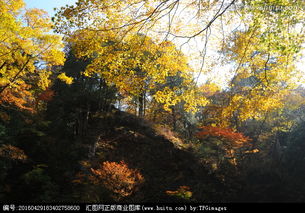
<point>19,97</point>
<point>118,178</point>
<point>222,143</point>
<point>46,95</point>
<point>182,191</point>
<point>223,133</point>
<point>12,153</point>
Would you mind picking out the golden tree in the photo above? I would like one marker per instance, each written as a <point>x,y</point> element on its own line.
<point>27,49</point>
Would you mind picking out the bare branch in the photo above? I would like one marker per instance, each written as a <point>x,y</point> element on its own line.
<point>207,35</point>
<point>216,16</point>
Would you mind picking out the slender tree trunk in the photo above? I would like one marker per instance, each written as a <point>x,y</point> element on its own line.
<point>80,122</point>
<point>86,120</point>
<point>174,119</point>
<point>144,104</point>
<point>100,95</point>
<point>141,110</point>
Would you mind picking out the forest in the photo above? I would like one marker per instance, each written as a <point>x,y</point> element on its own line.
<point>158,101</point>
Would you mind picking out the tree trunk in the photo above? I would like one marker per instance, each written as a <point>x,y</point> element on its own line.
<point>100,95</point>
<point>174,119</point>
<point>86,119</point>
<point>141,108</point>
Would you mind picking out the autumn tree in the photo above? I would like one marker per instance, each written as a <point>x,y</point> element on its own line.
<point>138,67</point>
<point>220,144</point>
<point>118,178</point>
<point>263,62</point>
<point>73,105</point>
<point>259,52</point>
<point>28,50</point>
<point>142,16</point>
<point>29,53</point>
<point>184,21</point>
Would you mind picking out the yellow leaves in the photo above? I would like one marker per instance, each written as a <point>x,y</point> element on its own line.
<point>264,71</point>
<point>167,97</point>
<point>193,99</point>
<point>209,89</point>
<point>87,43</point>
<point>255,105</point>
<point>12,6</point>
<point>252,151</point>
<point>138,65</point>
<point>162,96</point>
<point>64,78</point>
<point>189,97</point>
<point>38,19</point>
<point>25,44</point>
<point>54,57</point>
<point>44,80</point>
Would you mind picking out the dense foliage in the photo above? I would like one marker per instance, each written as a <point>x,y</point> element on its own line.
<point>114,108</point>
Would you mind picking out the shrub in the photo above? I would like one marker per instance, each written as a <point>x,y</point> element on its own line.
<point>118,178</point>
<point>235,138</point>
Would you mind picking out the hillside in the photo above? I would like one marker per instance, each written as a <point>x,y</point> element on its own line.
<point>164,164</point>
<point>152,101</point>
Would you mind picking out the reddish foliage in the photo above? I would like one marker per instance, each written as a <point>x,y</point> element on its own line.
<point>118,178</point>
<point>19,97</point>
<point>46,95</point>
<point>12,153</point>
<point>182,191</point>
<point>223,133</point>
